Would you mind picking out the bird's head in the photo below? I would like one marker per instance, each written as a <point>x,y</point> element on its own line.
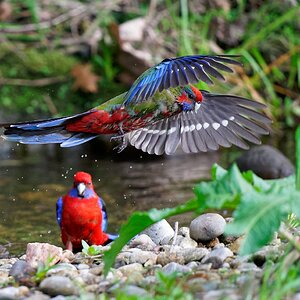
<point>83,183</point>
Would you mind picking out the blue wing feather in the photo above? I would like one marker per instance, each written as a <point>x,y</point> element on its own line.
<point>173,72</point>
<point>104,214</point>
<point>59,209</point>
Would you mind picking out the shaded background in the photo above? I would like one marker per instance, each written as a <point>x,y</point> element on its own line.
<point>62,57</point>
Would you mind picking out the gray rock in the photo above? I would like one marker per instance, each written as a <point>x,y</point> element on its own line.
<point>222,294</point>
<point>184,231</point>
<point>59,285</point>
<point>160,232</point>
<point>21,270</point>
<point>221,252</point>
<point>193,265</point>
<point>64,269</point>
<point>207,227</point>
<point>82,266</point>
<point>187,242</point>
<point>136,255</point>
<point>249,267</point>
<point>215,262</point>
<point>14,292</point>
<point>143,242</point>
<point>132,268</point>
<point>37,295</point>
<point>191,254</point>
<point>175,268</point>
<point>266,161</point>
<point>133,290</point>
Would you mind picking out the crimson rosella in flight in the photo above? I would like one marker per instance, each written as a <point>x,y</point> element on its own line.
<point>81,215</point>
<point>161,111</point>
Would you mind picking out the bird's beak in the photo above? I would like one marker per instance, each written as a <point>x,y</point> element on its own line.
<point>81,188</point>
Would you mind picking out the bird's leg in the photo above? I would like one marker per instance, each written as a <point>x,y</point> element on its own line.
<point>123,142</point>
<point>69,246</point>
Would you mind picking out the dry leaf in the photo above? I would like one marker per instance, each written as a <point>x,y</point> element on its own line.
<point>85,79</point>
<point>5,11</point>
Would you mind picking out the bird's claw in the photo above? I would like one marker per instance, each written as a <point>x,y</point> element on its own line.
<point>120,147</point>
<point>117,137</point>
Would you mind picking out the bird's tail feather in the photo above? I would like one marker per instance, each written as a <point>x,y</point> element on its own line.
<point>49,131</point>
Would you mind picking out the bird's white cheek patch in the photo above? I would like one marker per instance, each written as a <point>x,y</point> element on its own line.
<point>215,126</point>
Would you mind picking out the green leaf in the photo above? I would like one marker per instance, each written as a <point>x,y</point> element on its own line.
<point>298,158</point>
<point>139,221</point>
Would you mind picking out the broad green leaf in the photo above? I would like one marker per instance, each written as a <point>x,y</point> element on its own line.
<point>217,172</point>
<point>298,158</point>
<point>137,223</point>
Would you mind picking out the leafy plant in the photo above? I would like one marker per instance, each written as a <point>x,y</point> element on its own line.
<point>43,268</point>
<point>260,206</point>
<point>90,250</point>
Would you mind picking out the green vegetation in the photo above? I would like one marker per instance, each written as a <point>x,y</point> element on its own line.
<point>259,207</point>
<point>90,250</point>
<point>39,50</point>
<point>42,270</point>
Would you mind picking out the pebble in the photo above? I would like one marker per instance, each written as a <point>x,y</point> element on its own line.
<point>130,269</point>
<point>21,270</point>
<point>160,232</point>
<point>41,252</point>
<point>14,292</point>
<point>187,242</point>
<point>207,227</point>
<point>37,295</point>
<point>184,231</point>
<point>133,290</point>
<point>143,242</point>
<point>222,253</point>
<point>58,285</point>
<point>174,267</point>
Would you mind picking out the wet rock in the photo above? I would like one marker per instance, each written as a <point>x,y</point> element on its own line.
<point>175,268</point>
<point>143,242</point>
<point>41,252</point>
<point>266,161</point>
<point>14,292</point>
<point>58,285</point>
<point>207,227</point>
<point>160,232</point>
<point>221,252</point>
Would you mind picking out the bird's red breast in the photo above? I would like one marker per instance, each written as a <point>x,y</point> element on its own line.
<point>81,220</point>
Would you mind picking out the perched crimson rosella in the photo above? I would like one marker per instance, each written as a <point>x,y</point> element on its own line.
<point>81,215</point>
<point>160,111</point>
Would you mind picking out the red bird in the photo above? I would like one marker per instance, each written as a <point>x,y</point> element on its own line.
<point>161,111</point>
<point>81,215</point>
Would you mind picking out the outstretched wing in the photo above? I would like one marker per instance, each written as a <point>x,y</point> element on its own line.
<point>219,120</point>
<point>104,214</point>
<point>178,71</point>
<point>59,208</point>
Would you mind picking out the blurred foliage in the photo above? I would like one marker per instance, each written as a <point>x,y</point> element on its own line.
<point>265,33</point>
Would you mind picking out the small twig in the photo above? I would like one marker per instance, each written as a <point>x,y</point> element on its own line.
<point>175,236</point>
<point>33,82</point>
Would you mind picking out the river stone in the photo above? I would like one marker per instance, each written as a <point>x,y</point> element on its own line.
<point>133,290</point>
<point>143,242</point>
<point>207,227</point>
<point>187,242</point>
<point>37,295</point>
<point>136,255</point>
<point>266,161</point>
<point>58,285</point>
<point>14,292</point>
<point>222,294</point>
<point>160,232</point>
<point>184,231</point>
<point>174,267</point>
<point>21,270</point>
<point>41,252</point>
<point>132,268</point>
<point>221,252</point>
<point>215,261</point>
